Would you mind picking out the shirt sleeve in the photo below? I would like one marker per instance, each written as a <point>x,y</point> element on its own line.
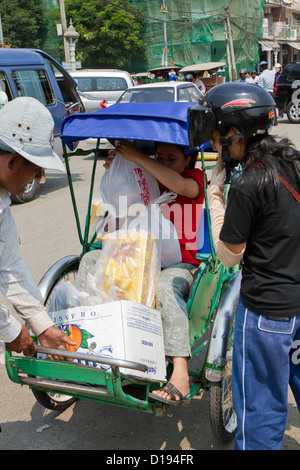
<point>197,175</point>
<point>10,328</point>
<point>16,282</point>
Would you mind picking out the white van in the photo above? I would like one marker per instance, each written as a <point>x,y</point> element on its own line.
<point>97,85</point>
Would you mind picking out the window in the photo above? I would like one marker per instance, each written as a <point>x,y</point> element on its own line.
<point>294,73</point>
<point>183,94</point>
<point>194,93</point>
<point>84,84</point>
<point>110,84</point>
<point>148,95</point>
<point>4,86</point>
<point>66,87</point>
<point>34,83</point>
<point>87,84</point>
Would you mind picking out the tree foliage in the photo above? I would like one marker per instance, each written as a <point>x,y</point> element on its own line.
<point>23,22</point>
<point>109,33</point>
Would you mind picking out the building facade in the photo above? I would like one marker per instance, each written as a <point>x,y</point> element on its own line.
<point>281,32</point>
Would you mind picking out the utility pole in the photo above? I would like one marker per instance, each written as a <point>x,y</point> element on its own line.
<point>227,49</point>
<point>1,33</point>
<point>231,43</point>
<point>164,61</point>
<point>64,29</point>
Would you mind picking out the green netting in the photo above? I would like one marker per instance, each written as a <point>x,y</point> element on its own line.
<point>195,31</point>
<point>50,41</point>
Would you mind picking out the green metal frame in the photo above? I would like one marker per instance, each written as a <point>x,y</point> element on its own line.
<point>211,280</point>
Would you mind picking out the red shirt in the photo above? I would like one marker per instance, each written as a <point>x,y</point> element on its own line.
<point>185,214</point>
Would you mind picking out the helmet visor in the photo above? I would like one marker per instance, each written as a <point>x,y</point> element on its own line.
<point>201,125</point>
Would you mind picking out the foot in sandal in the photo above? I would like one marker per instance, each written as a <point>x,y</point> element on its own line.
<point>178,387</point>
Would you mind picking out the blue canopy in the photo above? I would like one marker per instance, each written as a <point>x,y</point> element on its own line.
<point>155,122</point>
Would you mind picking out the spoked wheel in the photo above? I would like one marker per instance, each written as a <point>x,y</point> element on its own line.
<point>222,415</point>
<point>54,400</point>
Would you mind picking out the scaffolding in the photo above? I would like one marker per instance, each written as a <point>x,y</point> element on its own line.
<point>194,31</point>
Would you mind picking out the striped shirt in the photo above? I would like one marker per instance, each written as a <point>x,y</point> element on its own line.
<point>16,282</point>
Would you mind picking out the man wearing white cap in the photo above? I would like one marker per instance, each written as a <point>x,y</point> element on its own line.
<point>26,136</point>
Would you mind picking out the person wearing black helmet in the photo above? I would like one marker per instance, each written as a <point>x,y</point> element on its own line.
<point>258,225</point>
<point>254,77</point>
<point>243,76</point>
<point>189,77</point>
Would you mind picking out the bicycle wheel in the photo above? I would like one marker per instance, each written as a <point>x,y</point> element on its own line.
<point>54,400</point>
<point>222,415</point>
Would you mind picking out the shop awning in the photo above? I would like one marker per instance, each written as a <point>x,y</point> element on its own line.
<point>269,45</point>
<point>202,67</point>
<point>295,45</point>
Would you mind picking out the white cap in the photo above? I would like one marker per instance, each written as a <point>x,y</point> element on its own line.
<point>26,127</point>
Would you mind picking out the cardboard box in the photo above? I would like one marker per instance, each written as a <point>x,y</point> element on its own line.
<point>122,330</point>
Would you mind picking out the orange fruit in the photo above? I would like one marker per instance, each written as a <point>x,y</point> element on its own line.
<point>75,335</point>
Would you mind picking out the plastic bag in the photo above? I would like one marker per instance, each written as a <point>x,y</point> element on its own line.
<point>152,220</point>
<point>126,183</point>
<point>101,221</point>
<point>127,268</point>
<point>66,295</point>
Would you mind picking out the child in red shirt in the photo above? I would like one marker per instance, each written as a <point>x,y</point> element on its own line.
<point>175,172</point>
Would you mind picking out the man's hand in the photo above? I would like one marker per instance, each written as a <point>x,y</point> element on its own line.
<point>54,338</point>
<point>23,343</point>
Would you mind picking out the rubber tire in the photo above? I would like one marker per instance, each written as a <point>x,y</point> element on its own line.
<point>44,398</point>
<point>220,432</point>
<point>224,432</point>
<point>30,193</point>
<point>290,112</point>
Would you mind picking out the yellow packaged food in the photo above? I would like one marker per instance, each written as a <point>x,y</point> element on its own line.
<point>128,267</point>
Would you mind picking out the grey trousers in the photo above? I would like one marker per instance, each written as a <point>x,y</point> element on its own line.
<point>172,287</point>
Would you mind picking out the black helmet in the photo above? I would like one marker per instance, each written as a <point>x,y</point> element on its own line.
<point>249,108</point>
<point>243,71</point>
<point>189,77</point>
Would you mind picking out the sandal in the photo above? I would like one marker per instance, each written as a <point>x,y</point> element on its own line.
<point>172,392</point>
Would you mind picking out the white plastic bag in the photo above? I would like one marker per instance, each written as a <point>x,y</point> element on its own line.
<point>151,219</point>
<point>66,295</point>
<point>126,183</point>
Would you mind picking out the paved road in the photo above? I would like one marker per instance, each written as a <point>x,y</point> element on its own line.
<point>47,233</point>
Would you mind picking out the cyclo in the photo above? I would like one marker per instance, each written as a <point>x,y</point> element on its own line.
<point>211,302</point>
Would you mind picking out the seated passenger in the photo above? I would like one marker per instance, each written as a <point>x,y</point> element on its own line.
<point>175,171</point>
